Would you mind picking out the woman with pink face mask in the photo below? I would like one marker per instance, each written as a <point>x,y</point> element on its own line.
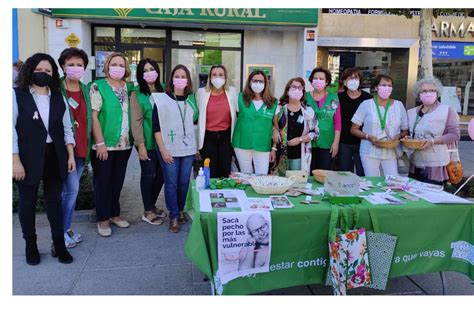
<point>297,126</point>
<point>174,116</point>
<point>111,121</point>
<point>73,62</point>
<point>141,107</point>
<point>326,107</point>
<point>382,118</point>
<point>438,125</point>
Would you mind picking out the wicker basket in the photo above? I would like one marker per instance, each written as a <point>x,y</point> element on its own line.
<point>387,144</point>
<point>271,184</point>
<point>413,143</point>
<point>319,175</point>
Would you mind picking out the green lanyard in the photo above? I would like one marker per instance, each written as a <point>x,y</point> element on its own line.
<point>384,120</point>
<point>183,117</point>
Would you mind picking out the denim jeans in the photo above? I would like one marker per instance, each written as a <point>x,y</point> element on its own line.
<point>151,180</point>
<point>348,157</point>
<point>70,192</point>
<point>177,175</point>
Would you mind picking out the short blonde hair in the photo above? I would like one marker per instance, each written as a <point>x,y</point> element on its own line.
<point>109,58</point>
<point>209,83</point>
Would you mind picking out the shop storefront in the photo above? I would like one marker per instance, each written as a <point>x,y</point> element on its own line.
<point>279,41</point>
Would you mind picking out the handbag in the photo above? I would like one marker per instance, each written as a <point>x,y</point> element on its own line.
<point>381,250</point>
<point>454,168</point>
<point>348,255</point>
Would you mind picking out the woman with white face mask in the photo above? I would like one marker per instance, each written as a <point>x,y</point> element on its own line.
<point>382,118</point>
<point>350,99</point>
<point>326,107</point>
<point>438,125</point>
<point>252,140</point>
<point>73,62</point>
<point>297,126</point>
<point>217,103</point>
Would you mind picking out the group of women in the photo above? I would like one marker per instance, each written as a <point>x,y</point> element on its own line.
<point>59,124</point>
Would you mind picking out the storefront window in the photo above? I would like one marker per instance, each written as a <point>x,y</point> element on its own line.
<point>213,39</point>
<point>199,61</point>
<point>142,36</point>
<point>101,53</point>
<point>104,35</point>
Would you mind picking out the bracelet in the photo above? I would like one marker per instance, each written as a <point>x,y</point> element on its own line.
<point>301,139</point>
<point>367,136</point>
<point>274,148</point>
<point>99,144</point>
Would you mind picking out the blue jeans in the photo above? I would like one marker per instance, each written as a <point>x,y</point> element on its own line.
<point>348,157</point>
<point>151,180</point>
<point>177,175</point>
<point>70,192</point>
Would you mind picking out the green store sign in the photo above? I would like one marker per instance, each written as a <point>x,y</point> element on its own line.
<point>249,16</point>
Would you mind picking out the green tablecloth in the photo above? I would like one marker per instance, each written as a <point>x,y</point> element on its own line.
<point>300,240</point>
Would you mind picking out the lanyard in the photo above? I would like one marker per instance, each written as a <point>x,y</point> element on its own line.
<point>384,120</point>
<point>183,117</point>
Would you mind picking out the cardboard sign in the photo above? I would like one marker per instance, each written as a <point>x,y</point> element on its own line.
<point>341,183</point>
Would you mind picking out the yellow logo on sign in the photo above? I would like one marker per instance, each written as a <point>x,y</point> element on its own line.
<point>123,12</point>
<point>72,40</point>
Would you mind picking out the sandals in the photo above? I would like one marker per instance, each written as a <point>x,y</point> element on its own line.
<point>152,219</point>
<point>159,213</point>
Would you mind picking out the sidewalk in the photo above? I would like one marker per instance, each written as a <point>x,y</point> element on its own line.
<point>148,260</point>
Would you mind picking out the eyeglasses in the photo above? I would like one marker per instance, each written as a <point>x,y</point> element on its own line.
<point>293,87</point>
<point>258,81</point>
<point>430,90</point>
<point>259,230</point>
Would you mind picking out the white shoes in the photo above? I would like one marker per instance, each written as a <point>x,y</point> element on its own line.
<point>104,232</point>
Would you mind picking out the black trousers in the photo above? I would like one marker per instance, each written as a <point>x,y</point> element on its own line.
<point>218,147</point>
<point>52,187</point>
<point>151,180</point>
<point>108,182</point>
<point>320,158</point>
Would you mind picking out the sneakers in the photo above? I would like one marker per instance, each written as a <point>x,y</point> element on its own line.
<point>75,236</point>
<point>69,241</point>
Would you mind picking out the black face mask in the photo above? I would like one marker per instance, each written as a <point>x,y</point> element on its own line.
<point>41,79</point>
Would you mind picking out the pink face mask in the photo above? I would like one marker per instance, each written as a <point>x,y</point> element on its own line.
<point>295,94</point>
<point>384,92</point>
<point>180,83</point>
<point>318,84</point>
<point>116,73</point>
<point>150,76</point>
<point>428,98</point>
<point>74,73</point>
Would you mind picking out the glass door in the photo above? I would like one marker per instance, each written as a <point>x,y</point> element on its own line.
<point>134,55</point>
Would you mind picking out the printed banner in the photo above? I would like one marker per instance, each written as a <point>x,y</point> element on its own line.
<point>244,243</point>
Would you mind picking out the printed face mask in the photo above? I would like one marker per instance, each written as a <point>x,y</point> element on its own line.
<point>116,73</point>
<point>74,73</point>
<point>318,84</point>
<point>180,83</point>
<point>150,76</point>
<point>352,84</point>
<point>41,79</point>
<point>384,92</point>
<point>217,82</point>
<point>428,98</point>
<point>295,94</point>
<point>257,87</point>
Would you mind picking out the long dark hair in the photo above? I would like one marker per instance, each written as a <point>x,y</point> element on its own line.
<point>24,79</point>
<point>266,94</point>
<point>170,85</point>
<point>141,82</point>
<point>285,98</point>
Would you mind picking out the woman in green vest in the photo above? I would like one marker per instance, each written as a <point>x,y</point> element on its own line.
<point>112,140</point>
<point>326,106</point>
<point>141,107</point>
<point>73,62</point>
<point>174,116</point>
<point>252,140</point>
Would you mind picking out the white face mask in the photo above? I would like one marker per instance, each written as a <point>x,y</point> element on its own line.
<point>217,82</point>
<point>257,87</point>
<point>352,84</point>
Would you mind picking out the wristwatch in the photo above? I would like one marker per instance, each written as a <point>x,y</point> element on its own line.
<point>301,139</point>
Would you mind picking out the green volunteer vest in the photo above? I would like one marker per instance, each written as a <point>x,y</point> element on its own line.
<point>110,115</point>
<point>253,129</point>
<point>147,109</point>
<point>85,93</point>
<point>325,117</point>
<point>191,101</point>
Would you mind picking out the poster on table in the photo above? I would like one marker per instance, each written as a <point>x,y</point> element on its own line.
<point>244,244</point>
<point>222,201</point>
